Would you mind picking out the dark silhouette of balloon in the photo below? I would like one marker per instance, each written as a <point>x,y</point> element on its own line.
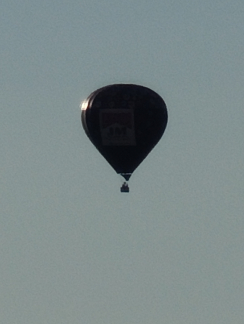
<point>124,122</point>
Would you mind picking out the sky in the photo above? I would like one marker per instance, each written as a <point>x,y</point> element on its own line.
<point>73,249</point>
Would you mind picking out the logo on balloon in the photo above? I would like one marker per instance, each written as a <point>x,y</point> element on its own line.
<point>117,127</point>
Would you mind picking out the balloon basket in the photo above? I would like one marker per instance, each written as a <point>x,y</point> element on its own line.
<point>125,187</point>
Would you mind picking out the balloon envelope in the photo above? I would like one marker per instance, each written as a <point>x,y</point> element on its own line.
<point>124,122</point>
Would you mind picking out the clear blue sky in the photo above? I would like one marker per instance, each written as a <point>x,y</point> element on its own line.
<point>73,249</point>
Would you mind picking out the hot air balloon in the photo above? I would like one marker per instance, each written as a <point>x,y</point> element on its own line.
<point>124,122</point>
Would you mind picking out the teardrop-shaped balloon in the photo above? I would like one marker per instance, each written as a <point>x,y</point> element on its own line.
<point>124,122</point>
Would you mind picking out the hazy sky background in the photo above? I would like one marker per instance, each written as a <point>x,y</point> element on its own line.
<point>73,249</point>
